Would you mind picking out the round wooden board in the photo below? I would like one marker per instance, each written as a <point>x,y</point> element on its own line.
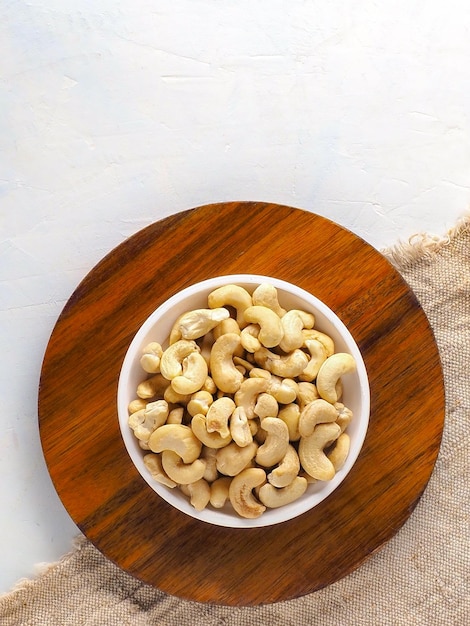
<point>117,510</point>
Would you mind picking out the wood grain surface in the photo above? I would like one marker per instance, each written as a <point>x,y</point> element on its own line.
<point>133,526</point>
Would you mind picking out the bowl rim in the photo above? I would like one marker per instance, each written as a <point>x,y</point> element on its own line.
<point>316,492</point>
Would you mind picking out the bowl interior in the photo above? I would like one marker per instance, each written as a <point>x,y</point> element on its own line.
<point>356,394</point>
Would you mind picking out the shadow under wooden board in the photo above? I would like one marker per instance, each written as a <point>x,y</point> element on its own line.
<point>119,512</point>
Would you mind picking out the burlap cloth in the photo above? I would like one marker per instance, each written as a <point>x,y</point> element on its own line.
<point>422,576</point>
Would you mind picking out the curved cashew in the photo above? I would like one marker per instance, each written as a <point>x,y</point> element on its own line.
<point>153,462</point>
<point>266,295</point>
<point>314,461</point>
<point>219,491</point>
<point>241,492</point>
<point>249,338</point>
<point>266,406</point>
<point>286,366</point>
<point>211,440</point>
<point>199,403</point>
<point>150,359</point>
<point>317,357</point>
<point>273,497</point>
<point>240,428</point>
<point>178,438</point>
<point>153,386</point>
<point>226,326</point>
<point>218,416</point>
<point>290,415</point>
<point>287,470</point>
<point>182,473</point>
<point>277,441</point>
<point>271,331</point>
<point>340,452</point>
<point>316,412</point>
<point>171,362</point>
<point>209,455</point>
<point>226,376</point>
<point>175,416</point>
<point>173,397</point>
<point>199,493</point>
<point>231,295</point>
<point>293,322</point>
<point>197,323</point>
<point>323,338</point>
<point>345,416</point>
<point>136,405</point>
<point>145,421</point>
<point>194,374</point>
<point>330,373</point>
<point>307,392</point>
<point>232,459</point>
<point>248,393</point>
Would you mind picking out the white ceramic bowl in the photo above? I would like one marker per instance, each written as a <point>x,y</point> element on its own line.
<point>157,327</point>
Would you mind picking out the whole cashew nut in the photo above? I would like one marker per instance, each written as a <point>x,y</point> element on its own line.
<point>199,402</point>
<point>287,470</point>
<point>277,441</point>
<point>248,393</point>
<point>231,295</point>
<point>153,462</point>
<point>194,374</point>
<point>218,415</point>
<point>272,497</point>
<point>340,452</point>
<point>249,338</point>
<point>330,373</point>
<point>145,421</point>
<point>266,295</point>
<point>286,366</point>
<point>324,339</point>
<point>220,491</point>
<point>182,473</point>
<point>178,438</point>
<point>240,428</point>
<point>171,362</point>
<point>317,357</point>
<point>290,415</point>
<point>293,322</point>
<point>311,454</point>
<point>266,406</point>
<point>232,459</point>
<point>226,376</point>
<point>316,412</point>
<point>195,324</point>
<point>199,493</point>
<point>271,330</point>
<point>150,359</point>
<point>211,440</point>
<point>241,492</point>
<point>153,386</point>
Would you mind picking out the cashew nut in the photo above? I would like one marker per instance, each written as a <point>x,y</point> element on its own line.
<point>231,295</point>
<point>240,428</point>
<point>226,376</point>
<point>272,497</point>
<point>226,326</point>
<point>211,440</point>
<point>199,493</point>
<point>218,416</point>
<point>171,362</point>
<point>195,324</point>
<point>249,338</point>
<point>316,412</point>
<point>153,462</point>
<point>345,416</point>
<point>287,470</point>
<point>283,390</point>
<point>150,359</point>
<point>209,455</point>
<point>248,392</point>
<point>271,331</point>
<point>290,415</point>
<point>266,406</point>
<point>178,438</point>
<point>241,492</point>
<point>136,405</point>
<point>145,421</point>
<point>286,366</point>
<point>330,373</point>
<point>306,392</point>
<point>293,322</point>
<point>173,397</point>
<point>276,444</point>
<point>182,473</point>
<point>311,454</point>
<point>193,376</point>
<point>324,339</point>
<point>340,452</point>
<point>175,416</point>
<point>266,295</point>
<point>232,459</point>
<point>200,402</point>
<point>317,357</point>
<point>220,491</point>
<point>153,386</point>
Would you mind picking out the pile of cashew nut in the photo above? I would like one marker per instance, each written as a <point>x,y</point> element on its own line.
<point>243,406</point>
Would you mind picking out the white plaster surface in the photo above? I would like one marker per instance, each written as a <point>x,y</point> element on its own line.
<point>116,114</point>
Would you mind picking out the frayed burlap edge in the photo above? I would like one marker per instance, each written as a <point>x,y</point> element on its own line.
<point>424,246</point>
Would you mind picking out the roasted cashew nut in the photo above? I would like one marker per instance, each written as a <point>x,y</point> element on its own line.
<point>197,323</point>
<point>277,441</point>
<point>331,372</point>
<point>266,406</point>
<point>220,491</point>
<point>316,412</point>
<point>249,338</point>
<point>218,416</point>
<point>286,366</point>
<point>194,374</point>
<point>324,339</point>
<point>226,376</point>
<point>287,470</point>
<point>153,462</point>
<point>178,438</point>
<point>272,497</point>
<point>293,322</point>
<point>240,427</point>
<point>231,295</point>
<point>241,492</point>
<point>317,357</point>
<point>248,393</point>
<point>290,415</point>
<point>211,440</point>
<point>171,362</point>
<point>266,295</point>
<point>232,459</point>
<point>340,452</point>
<point>271,330</point>
<point>182,473</point>
<point>311,454</point>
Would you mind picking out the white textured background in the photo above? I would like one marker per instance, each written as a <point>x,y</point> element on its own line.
<point>116,114</point>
